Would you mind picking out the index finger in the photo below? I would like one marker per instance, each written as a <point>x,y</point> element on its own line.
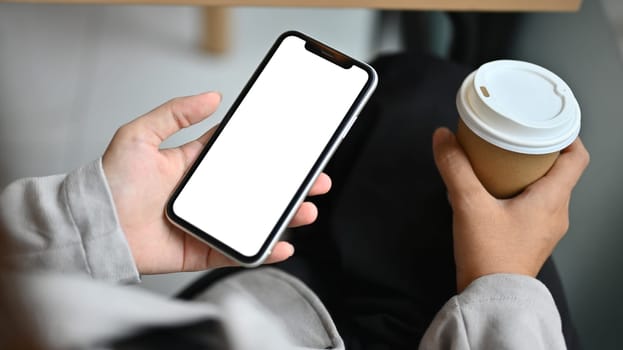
<point>568,168</point>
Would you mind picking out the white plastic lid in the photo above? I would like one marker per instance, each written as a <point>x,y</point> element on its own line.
<point>520,107</point>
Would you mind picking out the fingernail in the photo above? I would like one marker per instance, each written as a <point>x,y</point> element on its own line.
<point>440,135</point>
<point>291,249</point>
<point>213,93</point>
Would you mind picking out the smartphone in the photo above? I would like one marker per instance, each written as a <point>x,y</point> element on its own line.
<point>251,177</point>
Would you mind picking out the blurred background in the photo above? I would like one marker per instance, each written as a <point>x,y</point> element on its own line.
<point>71,75</point>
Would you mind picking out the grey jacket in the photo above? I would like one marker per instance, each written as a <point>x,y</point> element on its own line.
<point>79,268</point>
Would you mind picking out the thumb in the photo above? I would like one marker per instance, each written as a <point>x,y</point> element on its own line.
<point>174,115</point>
<point>454,166</point>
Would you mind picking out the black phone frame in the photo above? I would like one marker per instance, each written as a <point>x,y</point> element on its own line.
<point>321,50</point>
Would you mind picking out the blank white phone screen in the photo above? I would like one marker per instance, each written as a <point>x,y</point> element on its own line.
<point>253,170</point>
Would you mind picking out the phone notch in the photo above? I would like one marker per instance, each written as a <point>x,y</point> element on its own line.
<point>329,54</point>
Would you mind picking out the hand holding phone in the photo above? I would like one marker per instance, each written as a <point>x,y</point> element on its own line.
<point>141,176</point>
<point>255,171</point>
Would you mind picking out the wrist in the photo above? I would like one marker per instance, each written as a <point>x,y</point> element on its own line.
<point>111,258</point>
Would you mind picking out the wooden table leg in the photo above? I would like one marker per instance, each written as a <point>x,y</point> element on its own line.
<point>216,30</point>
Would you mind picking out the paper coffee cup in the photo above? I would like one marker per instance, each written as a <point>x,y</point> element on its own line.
<point>515,119</point>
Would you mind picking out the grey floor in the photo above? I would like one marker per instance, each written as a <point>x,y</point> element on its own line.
<point>70,75</point>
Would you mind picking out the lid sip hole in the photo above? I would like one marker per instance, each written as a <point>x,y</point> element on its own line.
<point>485,91</point>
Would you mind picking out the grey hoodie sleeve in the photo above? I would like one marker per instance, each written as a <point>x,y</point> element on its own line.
<point>500,311</point>
<point>67,223</point>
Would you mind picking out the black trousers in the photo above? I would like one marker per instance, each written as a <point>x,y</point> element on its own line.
<point>380,255</point>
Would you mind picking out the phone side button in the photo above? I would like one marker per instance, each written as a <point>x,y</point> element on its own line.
<point>348,126</point>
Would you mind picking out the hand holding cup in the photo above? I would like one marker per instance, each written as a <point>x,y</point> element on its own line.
<point>516,117</point>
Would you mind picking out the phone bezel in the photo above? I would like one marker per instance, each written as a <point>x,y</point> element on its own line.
<point>321,50</point>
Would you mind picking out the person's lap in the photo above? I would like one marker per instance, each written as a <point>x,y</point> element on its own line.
<point>383,236</point>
